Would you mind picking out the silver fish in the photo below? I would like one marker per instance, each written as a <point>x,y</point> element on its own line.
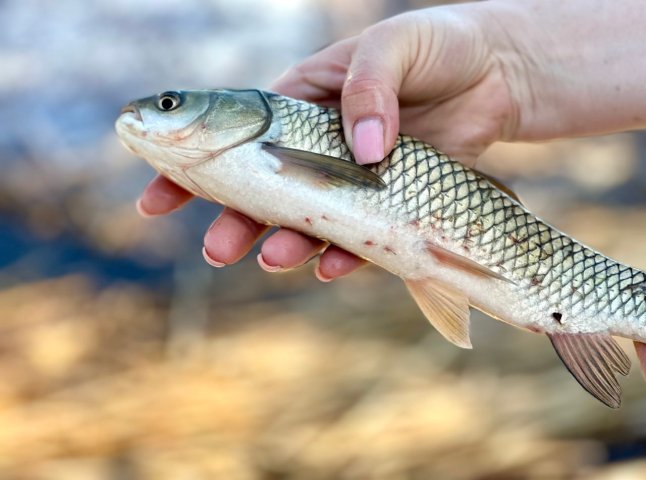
<point>456,237</point>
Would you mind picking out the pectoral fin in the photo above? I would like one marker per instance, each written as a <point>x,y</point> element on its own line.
<point>593,359</point>
<point>336,168</point>
<point>445,307</point>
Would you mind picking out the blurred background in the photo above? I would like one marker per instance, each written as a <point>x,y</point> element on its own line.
<point>124,356</point>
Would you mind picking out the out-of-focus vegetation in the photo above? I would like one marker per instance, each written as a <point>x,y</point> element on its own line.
<point>124,356</point>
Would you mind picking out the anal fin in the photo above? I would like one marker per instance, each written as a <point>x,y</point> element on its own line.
<point>445,307</point>
<point>593,359</point>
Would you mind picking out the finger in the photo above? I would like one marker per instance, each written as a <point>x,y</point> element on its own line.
<point>287,249</point>
<point>455,128</point>
<point>230,238</point>
<point>320,77</point>
<point>162,196</point>
<point>335,263</point>
<point>369,99</point>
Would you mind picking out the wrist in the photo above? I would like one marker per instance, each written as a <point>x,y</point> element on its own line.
<point>569,74</point>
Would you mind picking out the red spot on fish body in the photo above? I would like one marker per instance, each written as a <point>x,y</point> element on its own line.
<point>308,220</point>
<point>475,229</point>
<point>514,239</point>
<point>575,291</point>
<point>324,217</point>
<point>414,223</point>
<point>388,249</point>
<point>537,280</point>
<point>368,243</point>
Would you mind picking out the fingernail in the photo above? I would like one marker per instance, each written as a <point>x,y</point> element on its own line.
<point>368,140</point>
<point>210,261</point>
<point>266,267</point>
<point>320,276</point>
<point>141,210</point>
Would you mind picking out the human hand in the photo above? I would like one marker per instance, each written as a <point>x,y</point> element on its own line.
<point>460,77</point>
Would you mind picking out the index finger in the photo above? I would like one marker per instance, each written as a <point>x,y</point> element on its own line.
<point>162,196</point>
<point>320,77</point>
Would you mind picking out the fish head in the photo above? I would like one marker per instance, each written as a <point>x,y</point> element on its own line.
<point>176,130</point>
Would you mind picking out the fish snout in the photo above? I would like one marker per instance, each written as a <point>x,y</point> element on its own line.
<point>132,108</point>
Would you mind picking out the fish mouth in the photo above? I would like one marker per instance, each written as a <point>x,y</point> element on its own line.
<point>132,108</point>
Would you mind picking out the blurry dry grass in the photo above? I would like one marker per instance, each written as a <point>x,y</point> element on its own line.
<point>91,389</point>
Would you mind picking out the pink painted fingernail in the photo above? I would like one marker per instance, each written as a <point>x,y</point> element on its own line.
<point>210,261</point>
<point>266,267</point>
<point>320,276</point>
<point>141,210</point>
<point>368,140</point>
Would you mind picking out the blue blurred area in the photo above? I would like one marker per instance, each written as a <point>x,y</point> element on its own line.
<point>26,258</point>
<point>622,451</point>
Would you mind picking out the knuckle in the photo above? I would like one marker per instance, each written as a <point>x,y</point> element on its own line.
<point>384,31</point>
<point>361,85</point>
<point>367,96</point>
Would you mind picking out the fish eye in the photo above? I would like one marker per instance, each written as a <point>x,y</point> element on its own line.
<point>168,101</point>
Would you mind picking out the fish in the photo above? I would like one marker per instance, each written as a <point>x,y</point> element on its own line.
<point>456,237</point>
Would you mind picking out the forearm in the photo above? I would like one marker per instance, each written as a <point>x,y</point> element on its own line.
<point>573,68</point>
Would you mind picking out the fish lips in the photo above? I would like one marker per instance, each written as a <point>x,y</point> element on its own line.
<point>133,109</point>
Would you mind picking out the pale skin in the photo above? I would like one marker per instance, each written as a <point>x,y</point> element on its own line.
<point>459,77</point>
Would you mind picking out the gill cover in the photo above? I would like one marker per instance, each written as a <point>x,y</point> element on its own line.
<point>233,117</point>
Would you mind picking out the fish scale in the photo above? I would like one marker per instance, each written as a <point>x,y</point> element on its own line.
<point>455,236</point>
<point>440,194</point>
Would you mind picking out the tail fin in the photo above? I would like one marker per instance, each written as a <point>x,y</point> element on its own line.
<point>594,359</point>
<point>640,348</point>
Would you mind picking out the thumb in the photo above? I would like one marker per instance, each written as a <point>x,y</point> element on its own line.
<point>369,97</point>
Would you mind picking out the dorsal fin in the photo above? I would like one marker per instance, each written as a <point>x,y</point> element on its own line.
<point>445,307</point>
<point>500,186</point>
